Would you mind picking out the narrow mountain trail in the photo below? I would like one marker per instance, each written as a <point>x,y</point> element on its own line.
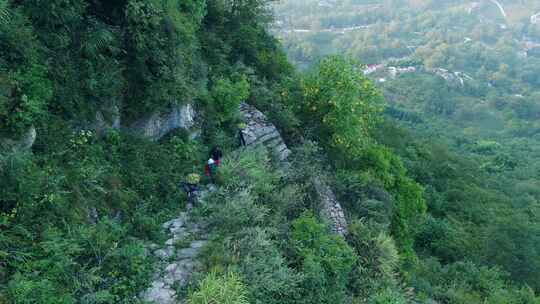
<point>178,257</point>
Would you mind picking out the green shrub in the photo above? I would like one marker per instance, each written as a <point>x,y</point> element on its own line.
<point>380,168</point>
<point>388,296</point>
<point>88,262</point>
<point>271,281</point>
<point>341,106</point>
<point>242,231</point>
<point>442,238</point>
<point>325,261</point>
<point>161,70</point>
<point>23,290</point>
<point>250,169</point>
<point>378,264</point>
<point>129,270</point>
<point>278,101</point>
<point>226,98</point>
<point>221,111</point>
<point>460,283</point>
<point>222,289</point>
<point>232,213</point>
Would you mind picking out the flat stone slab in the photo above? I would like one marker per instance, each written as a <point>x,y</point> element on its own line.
<point>160,293</point>
<point>187,253</point>
<point>164,253</point>
<point>174,223</point>
<point>198,244</point>
<point>177,230</point>
<point>178,273</point>
<point>176,265</point>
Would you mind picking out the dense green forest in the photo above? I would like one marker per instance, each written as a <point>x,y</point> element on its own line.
<point>438,176</point>
<point>461,83</point>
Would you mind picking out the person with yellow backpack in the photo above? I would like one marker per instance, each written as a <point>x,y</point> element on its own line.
<point>191,187</point>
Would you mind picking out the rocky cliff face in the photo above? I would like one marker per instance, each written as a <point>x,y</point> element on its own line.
<point>107,119</point>
<point>154,126</point>
<point>158,124</point>
<point>24,143</point>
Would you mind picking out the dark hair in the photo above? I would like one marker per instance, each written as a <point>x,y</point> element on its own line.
<point>215,153</point>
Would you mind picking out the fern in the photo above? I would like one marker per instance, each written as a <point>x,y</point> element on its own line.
<point>4,12</point>
<point>98,39</point>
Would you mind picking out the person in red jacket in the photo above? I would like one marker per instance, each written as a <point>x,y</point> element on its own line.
<point>212,164</point>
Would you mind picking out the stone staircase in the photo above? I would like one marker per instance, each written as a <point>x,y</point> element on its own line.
<point>177,259</point>
<point>261,131</point>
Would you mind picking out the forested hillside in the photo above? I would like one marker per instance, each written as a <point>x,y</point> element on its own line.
<point>440,202</point>
<point>461,82</point>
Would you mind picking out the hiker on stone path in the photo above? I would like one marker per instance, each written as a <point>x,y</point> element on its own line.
<point>241,129</point>
<point>212,164</point>
<point>191,187</point>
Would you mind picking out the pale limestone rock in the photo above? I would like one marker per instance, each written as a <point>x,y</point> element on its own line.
<point>24,143</point>
<point>260,130</point>
<point>159,124</point>
<point>160,293</point>
<point>165,253</point>
<point>110,120</point>
<point>198,244</point>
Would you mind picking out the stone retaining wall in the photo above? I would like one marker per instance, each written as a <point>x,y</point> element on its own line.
<point>330,206</point>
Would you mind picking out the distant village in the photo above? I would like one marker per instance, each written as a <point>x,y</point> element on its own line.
<point>383,73</point>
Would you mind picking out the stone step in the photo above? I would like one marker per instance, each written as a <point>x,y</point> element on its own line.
<point>273,143</point>
<point>198,244</point>
<point>160,293</point>
<point>175,266</point>
<point>283,155</point>
<point>164,253</point>
<point>187,253</point>
<point>268,137</point>
<point>281,147</point>
<point>174,223</point>
<point>259,133</point>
